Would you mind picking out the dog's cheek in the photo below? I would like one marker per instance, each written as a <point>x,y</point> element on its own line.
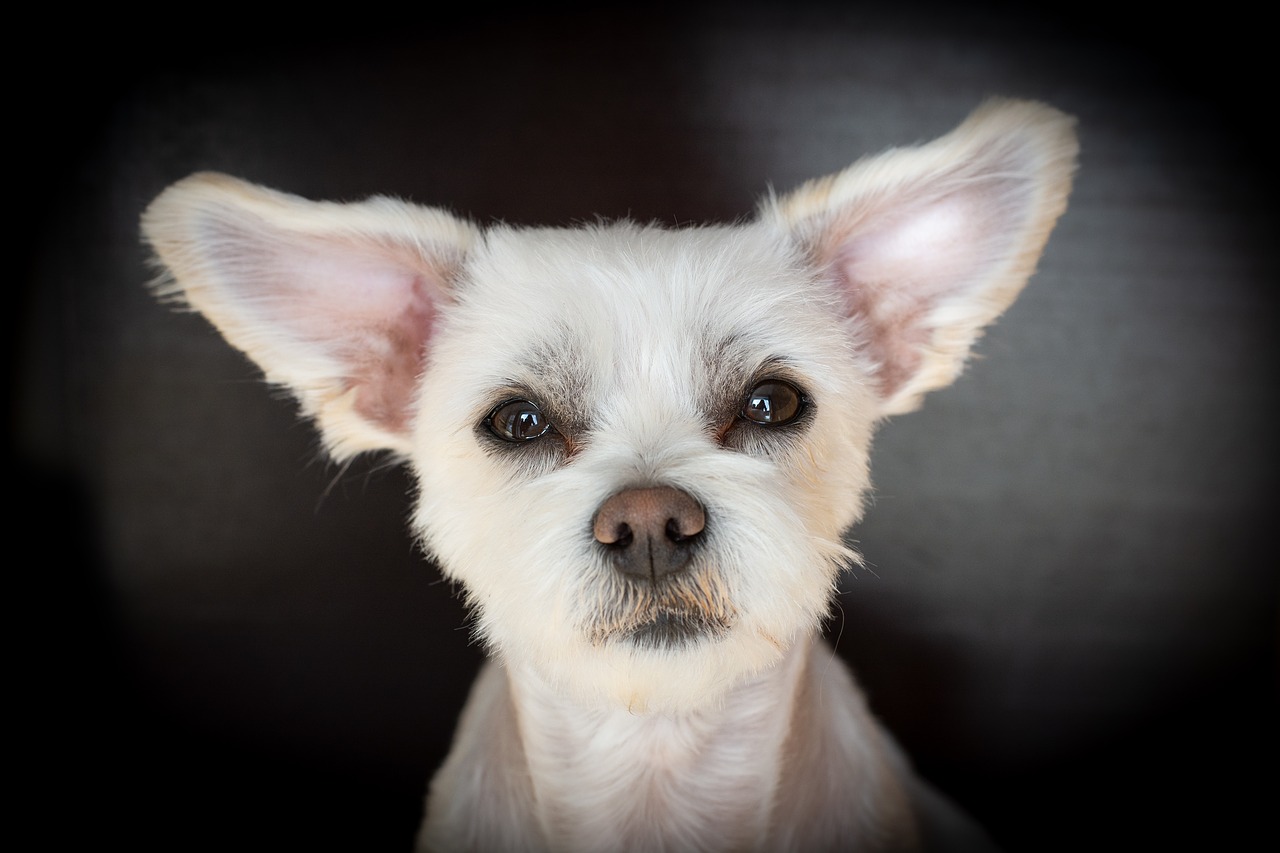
<point>817,488</point>
<point>506,535</point>
<point>479,521</point>
<point>822,473</point>
<point>831,474</point>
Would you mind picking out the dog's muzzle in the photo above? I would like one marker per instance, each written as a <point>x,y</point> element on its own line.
<point>660,593</point>
<point>649,533</point>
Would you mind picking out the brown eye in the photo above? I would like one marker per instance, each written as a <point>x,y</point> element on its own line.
<point>773,403</point>
<point>517,421</point>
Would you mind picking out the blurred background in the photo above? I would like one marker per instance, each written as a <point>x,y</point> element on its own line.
<point>1068,616</point>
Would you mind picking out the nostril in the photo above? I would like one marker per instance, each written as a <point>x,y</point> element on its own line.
<point>615,533</point>
<point>676,533</point>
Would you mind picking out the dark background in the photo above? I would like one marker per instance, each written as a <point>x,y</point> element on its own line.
<point>1069,619</point>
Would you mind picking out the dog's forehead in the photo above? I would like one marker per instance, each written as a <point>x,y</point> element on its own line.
<point>624,297</point>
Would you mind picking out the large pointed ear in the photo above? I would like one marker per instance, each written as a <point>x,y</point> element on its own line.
<point>336,302</point>
<point>928,245</point>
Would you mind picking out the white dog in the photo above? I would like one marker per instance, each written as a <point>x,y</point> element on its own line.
<point>637,450</point>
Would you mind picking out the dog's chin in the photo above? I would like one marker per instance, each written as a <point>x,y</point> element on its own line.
<point>671,630</point>
<point>662,628</point>
<point>662,664</point>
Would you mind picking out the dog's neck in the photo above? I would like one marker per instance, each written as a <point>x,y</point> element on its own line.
<point>790,760</point>
<point>601,774</point>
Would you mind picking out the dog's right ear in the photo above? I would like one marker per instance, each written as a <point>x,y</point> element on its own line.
<point>334,301</point>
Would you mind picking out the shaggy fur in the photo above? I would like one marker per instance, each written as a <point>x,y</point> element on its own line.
<point>530,377</point>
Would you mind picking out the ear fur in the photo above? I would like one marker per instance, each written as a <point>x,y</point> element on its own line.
<point>928,245</point>
<point>334,301</point>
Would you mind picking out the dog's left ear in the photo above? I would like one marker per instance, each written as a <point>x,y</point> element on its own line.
<point>928,245</point>
<point>336,302</point>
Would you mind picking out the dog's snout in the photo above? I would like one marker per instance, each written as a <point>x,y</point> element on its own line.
<point>649,532</point>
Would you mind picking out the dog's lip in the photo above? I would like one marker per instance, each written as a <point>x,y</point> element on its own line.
<point>668,630</point>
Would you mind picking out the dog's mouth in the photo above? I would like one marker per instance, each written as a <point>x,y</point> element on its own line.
<point>673,630</point>
<point>666,614</point>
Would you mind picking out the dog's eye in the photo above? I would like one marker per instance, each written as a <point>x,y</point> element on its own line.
<point>517,421</point>
<point>773,403</point>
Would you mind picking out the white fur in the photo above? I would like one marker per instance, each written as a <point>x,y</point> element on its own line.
<point>597,777</point>
<point>637,316</point>
<point>401,328</point>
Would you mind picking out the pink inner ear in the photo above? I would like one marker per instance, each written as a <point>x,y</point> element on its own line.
<point>896,272</point>
<point>892,331</point>
<point>395,352</point>
<point>365,309</point>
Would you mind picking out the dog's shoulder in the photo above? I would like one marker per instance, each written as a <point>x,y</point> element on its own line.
<point>482,798</point>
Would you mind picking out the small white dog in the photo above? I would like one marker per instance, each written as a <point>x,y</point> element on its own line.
<point>638,450</point>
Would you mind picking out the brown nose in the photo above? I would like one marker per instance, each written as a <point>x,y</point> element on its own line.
<point>650,532</point>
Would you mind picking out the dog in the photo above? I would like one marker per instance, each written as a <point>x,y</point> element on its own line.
<point>637,451</point>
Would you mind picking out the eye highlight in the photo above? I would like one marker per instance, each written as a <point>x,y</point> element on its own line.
<point>518,421</point>
<point>773,402</point>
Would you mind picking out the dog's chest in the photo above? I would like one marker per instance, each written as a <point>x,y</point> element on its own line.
<point>621,781</point>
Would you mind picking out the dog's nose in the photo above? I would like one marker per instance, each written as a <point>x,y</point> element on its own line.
<point>649,532</point>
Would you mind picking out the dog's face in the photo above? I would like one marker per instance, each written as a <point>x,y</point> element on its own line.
<point>637,449</point>
<point>588,373</point>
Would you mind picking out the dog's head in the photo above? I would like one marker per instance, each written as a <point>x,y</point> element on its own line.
<point>636,448</point>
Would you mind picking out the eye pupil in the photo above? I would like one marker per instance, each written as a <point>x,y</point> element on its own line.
<point>773,403</point>
<point>517,421</point>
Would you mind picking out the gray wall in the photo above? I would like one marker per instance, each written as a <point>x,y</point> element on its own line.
<point>1067,616</point>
